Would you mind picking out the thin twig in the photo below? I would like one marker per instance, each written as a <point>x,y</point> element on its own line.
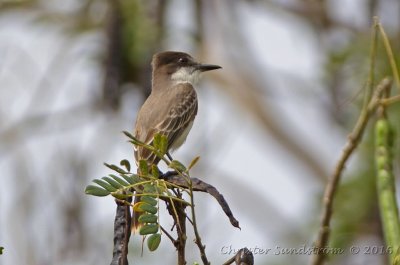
<point>177,211</point>
<point>331,187</point>
<point>168,235</point>
<point>388,101</point>
<point>198,242</point>
<point>390,55</point>
<point>371,76</point>
<point>181,220</point>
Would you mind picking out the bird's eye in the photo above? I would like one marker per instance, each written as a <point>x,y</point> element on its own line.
<point>183,60</point>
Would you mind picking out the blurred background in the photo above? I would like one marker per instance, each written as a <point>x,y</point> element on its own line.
<point>270,127</point>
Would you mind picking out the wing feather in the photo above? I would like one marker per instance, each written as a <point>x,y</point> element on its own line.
<point>176,118</point>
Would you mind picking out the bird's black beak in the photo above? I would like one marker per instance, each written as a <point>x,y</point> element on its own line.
<point>207,67</point>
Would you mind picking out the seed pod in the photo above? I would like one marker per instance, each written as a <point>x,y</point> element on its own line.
<point>380,162</point>
<point>382,131</point>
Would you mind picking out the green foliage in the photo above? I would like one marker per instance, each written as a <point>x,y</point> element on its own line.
<point>193,163</point>
<point>154,241</point>
<point>155,171</point>
<point>115,168</point>
<point>119,180</point>
<point>146,184</point>
<point>104,185</point>
<point>143,167</point>
<point>126,164</point>
<point>150,200</point>
<point>148,229</point>
<point>107,186</point>
<point>178,166</point>
<point>148,218</point>
<point>160,142</point>
<point>145,207</point>
<point>96,191</point>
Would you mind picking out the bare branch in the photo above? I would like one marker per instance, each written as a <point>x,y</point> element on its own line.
<point>199,185</point>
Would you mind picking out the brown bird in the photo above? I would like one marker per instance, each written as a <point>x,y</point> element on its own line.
<point>172,105</point>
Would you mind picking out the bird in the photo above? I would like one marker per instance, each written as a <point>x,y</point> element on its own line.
<point>172,105</point>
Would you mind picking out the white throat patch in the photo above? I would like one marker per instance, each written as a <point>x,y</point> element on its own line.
<point>186,75</point>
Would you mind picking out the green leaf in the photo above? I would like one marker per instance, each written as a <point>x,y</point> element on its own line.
<point>163,147</point>
<point>178,166</point>
<point>161,189</point>
<point>1,250</point>
<point>147,208</point>
<point>115,168</point>
<point>153,241</point>
<point>112,182</point>
<point>157,141</point>
<point>149,200</point>
<point>119,180</point>
<point>121,196</point>
<point>136,178</point>
<point>132,179</point>
<point>125,163</point>
<point>193,163</point>
<point>155,171</point>
<point>148,188</point>
<point>96,191</point>
<point>148,218</point>
<point>143,167</point>
<point>148,229</point>
<point>137,208</point>
<point>133,140</point>
<point>105,185</point>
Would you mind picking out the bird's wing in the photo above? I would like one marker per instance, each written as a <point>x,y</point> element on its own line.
<point>179,116</point>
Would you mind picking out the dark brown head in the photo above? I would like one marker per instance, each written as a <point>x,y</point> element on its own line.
<point>178,66</point>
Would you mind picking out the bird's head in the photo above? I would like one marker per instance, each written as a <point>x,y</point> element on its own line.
<point>179,67</point>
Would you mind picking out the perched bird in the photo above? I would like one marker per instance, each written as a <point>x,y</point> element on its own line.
<point>172,105</point>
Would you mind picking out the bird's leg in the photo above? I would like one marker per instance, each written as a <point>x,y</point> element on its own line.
<point>169,156</point>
